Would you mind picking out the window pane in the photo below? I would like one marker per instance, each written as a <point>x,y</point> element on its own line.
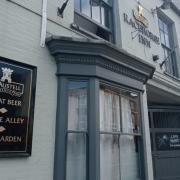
<point>161,25</point>
<point>109,111</point>
<point>96,13</point>
<point>167,40</point>
<point>77,5</point>
<point>162,37</point>
<point>130,115</point>
<point>151,138</point>
<point>109,157</point>
<point>165,28</point>
<point>168,61</point>
<point>166,119</point>
<point>165,53</point>
<point>76,157</point>
<point>169,65</point>
<point>105,16</point>
<point>77,105</point>
<point>174,66</point>
<point>129,158</point>
<point>85,6</point>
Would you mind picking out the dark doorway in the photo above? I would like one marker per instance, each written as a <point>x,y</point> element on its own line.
<point>165,142</point>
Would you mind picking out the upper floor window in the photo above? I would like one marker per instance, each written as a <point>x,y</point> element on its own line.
<point>94,16</point>
<point>168,47</point>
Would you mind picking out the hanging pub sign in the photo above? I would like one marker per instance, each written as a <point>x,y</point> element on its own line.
<point>17,93</point>
<point>167,141</point>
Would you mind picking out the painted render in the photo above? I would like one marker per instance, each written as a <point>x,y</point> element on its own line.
<point>20,27</point>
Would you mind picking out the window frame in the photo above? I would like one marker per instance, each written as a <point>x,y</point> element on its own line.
<point>170,60</point>
<point>136,135</point>
<point>108,30</point>
<point>77,132</point>
<point>154,130</point>
<point>93,129</point>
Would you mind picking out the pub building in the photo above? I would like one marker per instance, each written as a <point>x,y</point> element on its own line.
<point>89,90</point>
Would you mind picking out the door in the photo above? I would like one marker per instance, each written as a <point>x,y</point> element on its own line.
<point>165,142</point>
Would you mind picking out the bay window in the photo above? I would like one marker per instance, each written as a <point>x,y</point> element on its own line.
<point>99,126</point>
<point>119,133</point>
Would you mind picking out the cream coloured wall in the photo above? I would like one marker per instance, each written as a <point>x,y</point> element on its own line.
<point>134,47</point>
<point>20,28</point>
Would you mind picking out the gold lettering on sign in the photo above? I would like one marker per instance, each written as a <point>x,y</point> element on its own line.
<point>15,139</point>
<point>13,102</point>
<point>13,120</point>
<point>2,101</point>
<point>1,119</point>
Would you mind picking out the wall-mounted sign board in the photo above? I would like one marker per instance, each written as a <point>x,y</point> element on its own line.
<point>17,95</point>
<point>167,141</point>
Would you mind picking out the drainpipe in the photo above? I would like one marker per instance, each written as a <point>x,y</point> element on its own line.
<point>44,23</point>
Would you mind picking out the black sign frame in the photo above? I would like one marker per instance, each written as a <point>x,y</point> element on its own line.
<point>32,70</point>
